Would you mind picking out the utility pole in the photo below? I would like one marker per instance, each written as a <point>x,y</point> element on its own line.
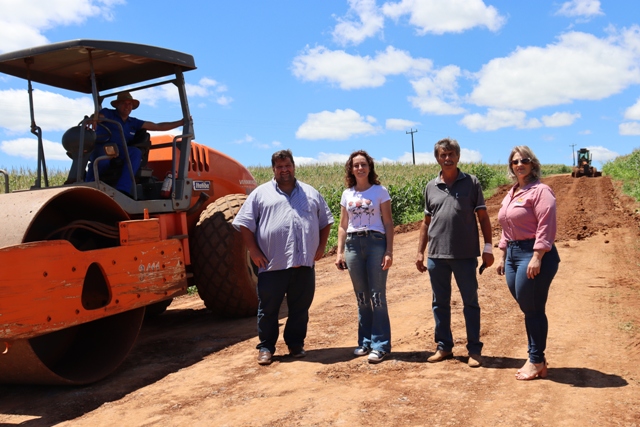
<point>412,149</point>
<point>573,153</point>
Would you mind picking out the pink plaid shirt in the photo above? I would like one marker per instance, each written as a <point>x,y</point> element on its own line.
<point>529,215</point>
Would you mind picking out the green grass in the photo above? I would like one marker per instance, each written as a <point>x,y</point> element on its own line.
<point>405,182</point>
<point>626,169</point>
<point>23,179</point>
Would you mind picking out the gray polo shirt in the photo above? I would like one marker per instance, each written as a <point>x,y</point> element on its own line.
<point>453,231</point>
<point>287,228</point>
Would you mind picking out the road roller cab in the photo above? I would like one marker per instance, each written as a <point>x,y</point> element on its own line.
<point>81,263</point>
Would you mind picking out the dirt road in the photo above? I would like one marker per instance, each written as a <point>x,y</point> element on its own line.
<point>188,369</point>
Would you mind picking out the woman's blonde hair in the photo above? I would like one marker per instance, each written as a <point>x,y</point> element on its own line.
<point>525,153</point>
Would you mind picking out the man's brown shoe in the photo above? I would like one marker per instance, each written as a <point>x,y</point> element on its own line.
<point>264,357</point>
<point>475,360</point>
<point>440,356</point>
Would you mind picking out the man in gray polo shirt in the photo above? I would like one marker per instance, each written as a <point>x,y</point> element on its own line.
<point>452,202</point>
<point>285,225</point>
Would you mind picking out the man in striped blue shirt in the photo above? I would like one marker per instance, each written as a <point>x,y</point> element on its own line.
<point>285,225</point>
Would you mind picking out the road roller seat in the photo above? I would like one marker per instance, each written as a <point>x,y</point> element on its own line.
<point>71,144</point>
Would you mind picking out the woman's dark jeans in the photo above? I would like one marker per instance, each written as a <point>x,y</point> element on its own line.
<point>531,294</point>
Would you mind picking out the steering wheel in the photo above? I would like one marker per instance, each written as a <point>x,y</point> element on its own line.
<point>101,138</point>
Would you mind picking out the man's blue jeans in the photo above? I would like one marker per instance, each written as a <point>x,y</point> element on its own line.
<point>364,255</point>
<point>298,284</point>
<point>531,294</point>
<point>464,271</point>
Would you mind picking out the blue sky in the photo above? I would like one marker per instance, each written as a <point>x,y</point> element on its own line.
<point>326,77</point>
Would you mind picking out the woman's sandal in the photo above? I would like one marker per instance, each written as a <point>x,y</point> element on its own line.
<point>541,372</point>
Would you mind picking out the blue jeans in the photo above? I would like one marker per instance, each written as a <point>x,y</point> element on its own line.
<point>364,255</point>
<point>125,183</point>
<point>298,284</point>
<point>531,294</point>
<point>464,271</point>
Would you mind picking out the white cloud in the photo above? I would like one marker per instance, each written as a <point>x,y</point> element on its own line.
<point>496,119</point>
<point>53,112</point>
<point>629,128</point>
<point>323,158</point>
<point>445,16</point>
<point>436,94</point>
<point>579,66</point>
<point>466,156</point>
<point>202,89</point>
<point>304,160</point>
<point>602,154</point>
<point>22,23</point>
<point>355,32</point>
<point>633,112</point>
<point>557,120</point>
<point>421,158</point>
<point>224,100</point>
<point>386,160</point>
<point>470,156</point>
<point>337,125</point>
<point>206,88</point>
<point>329,158</point>
<point>151,96</point>
<point>27,148</point>
<point>267,146</point>
<point>247,138</point>
<point>354,72</point>
<point>399,124</point>
<point>585,132</point>
<point>582,8</point>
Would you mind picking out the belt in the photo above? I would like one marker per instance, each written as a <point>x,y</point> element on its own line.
<point>364,233</point>
<point>519,242</point>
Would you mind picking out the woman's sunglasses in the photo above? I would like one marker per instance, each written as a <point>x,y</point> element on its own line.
<point>523,161</point>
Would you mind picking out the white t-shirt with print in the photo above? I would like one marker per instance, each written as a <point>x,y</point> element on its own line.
<point>363,208</point>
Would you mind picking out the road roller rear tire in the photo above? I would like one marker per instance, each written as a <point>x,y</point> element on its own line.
<point>222,269</point>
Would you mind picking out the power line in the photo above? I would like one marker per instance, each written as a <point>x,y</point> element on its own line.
<point>573,153</point>
<point>412,148</point>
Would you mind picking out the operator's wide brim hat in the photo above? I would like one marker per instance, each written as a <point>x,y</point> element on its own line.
<point>123,96</point>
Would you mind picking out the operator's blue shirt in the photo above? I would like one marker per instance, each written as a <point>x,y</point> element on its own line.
<point>129,127</point>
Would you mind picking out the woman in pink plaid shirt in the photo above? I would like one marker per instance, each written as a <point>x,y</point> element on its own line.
<point>529,257</point>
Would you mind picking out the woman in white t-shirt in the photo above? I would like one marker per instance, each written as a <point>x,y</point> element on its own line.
<point>365,248</point>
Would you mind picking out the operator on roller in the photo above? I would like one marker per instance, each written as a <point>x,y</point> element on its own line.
<point>123,105</point>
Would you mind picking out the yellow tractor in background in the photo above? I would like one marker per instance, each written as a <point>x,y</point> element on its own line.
<point>584,167</point>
